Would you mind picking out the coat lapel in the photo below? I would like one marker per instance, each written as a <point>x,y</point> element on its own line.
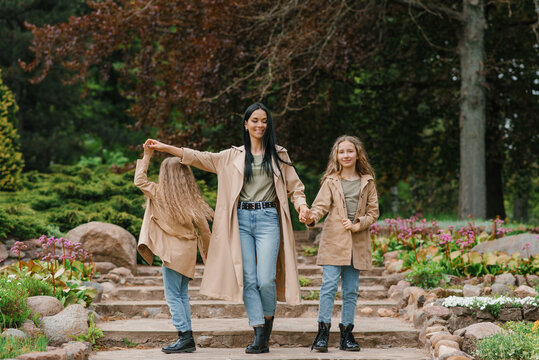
<point>239,161</point>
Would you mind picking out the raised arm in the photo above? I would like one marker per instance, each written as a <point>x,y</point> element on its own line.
<point>203,160</point>
<point>149,188</point>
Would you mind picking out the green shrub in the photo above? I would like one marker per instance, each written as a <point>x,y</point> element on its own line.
<point>13,302</point>
<point>518,343</point>
<point>36,287</point>
<point>11,347</point>
<point>427,276</point>
<point>11,162</point>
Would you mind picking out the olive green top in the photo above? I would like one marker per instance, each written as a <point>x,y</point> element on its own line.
<point>261,187</point>
<point>351,189</point>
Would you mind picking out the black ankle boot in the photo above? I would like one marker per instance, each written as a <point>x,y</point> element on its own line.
<point>348,343</point>
<point>268,326</point>
<point>259,344</point>
<point>184,344</point>
<point>322,338</point>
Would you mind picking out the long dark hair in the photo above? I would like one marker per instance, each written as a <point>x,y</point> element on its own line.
<point>268,142</point>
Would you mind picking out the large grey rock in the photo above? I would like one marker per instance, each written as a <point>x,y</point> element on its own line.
<point>107,242</point>
<point>471,290</point>
<point>524,291</point>
<point>13,333</point>
<point>506,279</point>
<point>61,328</point>
<point>511,244</point>
<point>45,305</point>
<point>3,252</point>
<point>476,332</point>
<point>103,267</point>
<point>501,289</point>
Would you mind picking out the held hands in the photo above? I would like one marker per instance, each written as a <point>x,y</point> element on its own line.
<point>347,224</point>
<point>152,145</point>
<point>305,215</point>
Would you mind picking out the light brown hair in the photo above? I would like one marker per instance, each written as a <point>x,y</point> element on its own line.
<point>363,167</point>
<point>179,196</point>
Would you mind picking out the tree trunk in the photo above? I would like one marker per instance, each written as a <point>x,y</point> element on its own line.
<point>472,181</point>
<point>521,198</point>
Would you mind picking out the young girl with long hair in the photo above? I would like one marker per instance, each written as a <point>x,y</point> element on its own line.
<point>348,194</point>
<point>252,253</point>
<point>175,222</point>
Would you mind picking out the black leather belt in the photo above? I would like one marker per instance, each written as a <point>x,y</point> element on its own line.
<point>255,205</point>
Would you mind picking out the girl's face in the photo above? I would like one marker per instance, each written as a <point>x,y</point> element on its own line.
<point>257,124</point>
<point>346,154</point>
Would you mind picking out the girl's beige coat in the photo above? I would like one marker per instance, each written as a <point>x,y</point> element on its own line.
<point>336,243</point>
<point>175,244</point>
<point>223,273</point>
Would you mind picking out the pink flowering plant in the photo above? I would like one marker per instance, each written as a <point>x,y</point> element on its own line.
<point>63,264</point>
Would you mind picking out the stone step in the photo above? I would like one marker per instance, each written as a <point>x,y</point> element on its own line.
<point>225,309</point>
<point>311,280</point>
<point>157,293</point>
<point>303,270</point>
<point>229,333</point>
<point>301,353</point>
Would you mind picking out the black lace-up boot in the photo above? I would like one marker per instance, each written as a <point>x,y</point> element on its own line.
<point>348,343</point>
<point>322,338</point>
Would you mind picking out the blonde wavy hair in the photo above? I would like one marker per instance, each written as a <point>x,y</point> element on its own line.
<point>179,195</point>
<point>363,167</point>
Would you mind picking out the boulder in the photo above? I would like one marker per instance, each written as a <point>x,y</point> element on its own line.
<point>366,311</point>
<point>29,328</point>
<point>501,289</point>
<point>448,343</point>
<point>107,242</point>
<point>476,332</point>
<point>61,328</point>
<point>530,312</point>
<point>524,291</point>
<point>3,252</point>
<point>104,267</point>
<point>382,312</point>
<point>511,244</point>
<point>471,290</point>
<point>510,314</point>
<point>45,305</point>
<point>533,280</point>
<point>437,310</point>
<point>488,280</point>
<point>456,355</point>
<point>394,266</point>
<point>436,338</point>
<point>521,280</point>
<point>393,279</point>
<point>506,279</point>
<point>391,255</point>
<point>13,333</point>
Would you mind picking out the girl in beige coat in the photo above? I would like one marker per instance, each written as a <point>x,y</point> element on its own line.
<point>348,193</point>
<point>175,221</point>
<point>252,253</point>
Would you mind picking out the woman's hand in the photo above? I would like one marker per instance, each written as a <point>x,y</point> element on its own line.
<point>155,145</point>
<point>347,224</point>
<point>305,215</point>
<point>148,152</point>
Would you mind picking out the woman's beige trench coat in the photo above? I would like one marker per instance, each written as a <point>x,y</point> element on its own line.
<point>175,244</point>
<point>223,273</point>
<point>338,245</point>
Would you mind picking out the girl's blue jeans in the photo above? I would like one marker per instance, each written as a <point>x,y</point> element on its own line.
<point>176,293</point>
<point>260,239</point>
<point>330,281</point>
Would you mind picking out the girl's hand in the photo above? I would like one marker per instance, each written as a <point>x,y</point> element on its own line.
<point>155,145</point>
<point>148,152</point>
<point>305,215</point>
<point>347,224</point>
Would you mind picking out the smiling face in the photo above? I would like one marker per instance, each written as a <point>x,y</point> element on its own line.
<point>346,154</point>
<point>256,124</point>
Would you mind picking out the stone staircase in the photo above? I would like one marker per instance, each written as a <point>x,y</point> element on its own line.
<point>138,314</point>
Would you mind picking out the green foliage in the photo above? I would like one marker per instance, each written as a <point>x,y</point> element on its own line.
<point>313,295</point>
<point>427,276</point>
<point>13,302</point>
<point>11,162</point>
<point>310,251</point>
<point>11,347</point>
<point>303,281</point>
<point>130,344</point>
<point>93,334</point>
<point>517,343</point>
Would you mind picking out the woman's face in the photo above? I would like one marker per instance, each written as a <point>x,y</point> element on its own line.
<point>256,125</point>
<point>346,154</point>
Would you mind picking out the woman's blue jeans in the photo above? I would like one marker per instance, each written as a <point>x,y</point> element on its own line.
<point>330,283</point>
<point>260,238</point>
<point>176,293</point>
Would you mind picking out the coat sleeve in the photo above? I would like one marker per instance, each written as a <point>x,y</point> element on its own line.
<point>372,212</point>
<point>203,160</point>
<point>322,203</point>
<point>294,187</point>
<point>149,188</point>
<point>204,235</point>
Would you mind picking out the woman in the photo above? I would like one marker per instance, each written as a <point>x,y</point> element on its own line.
<point>252,251</point>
